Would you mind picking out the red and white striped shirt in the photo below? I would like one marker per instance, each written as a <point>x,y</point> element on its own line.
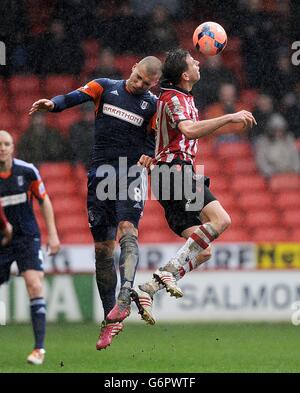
<point>174,105</point>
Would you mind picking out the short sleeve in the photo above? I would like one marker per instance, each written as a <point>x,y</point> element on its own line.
<point>37,186</point>
<point>93,89</point>
<point>176,109</point>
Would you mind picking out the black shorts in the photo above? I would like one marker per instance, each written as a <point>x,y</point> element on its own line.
<point>114,196</point>
<point>27,253</point>
<point>182,210</point>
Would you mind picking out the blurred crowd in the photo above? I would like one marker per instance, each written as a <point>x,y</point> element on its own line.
<point>255,71</point>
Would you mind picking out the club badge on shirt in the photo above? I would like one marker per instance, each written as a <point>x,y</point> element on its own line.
<point>20,181</point>
<point>144,104</point>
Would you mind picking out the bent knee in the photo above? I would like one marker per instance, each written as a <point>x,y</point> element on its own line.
<point>225,221</point>
<point>222,223</point>
<point>126,227</point>
<point>35,288</point>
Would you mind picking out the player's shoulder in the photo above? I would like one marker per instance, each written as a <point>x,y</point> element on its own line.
<point>172,97</point>
<point>107,83</point>
<point>150,96</point>
<point>25,167</point>
<point>167,93</point>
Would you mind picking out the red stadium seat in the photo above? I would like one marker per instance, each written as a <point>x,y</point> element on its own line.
<point>187,43</point>
<point>161,236</point>
<point>60,84</point>
<point>235,234</point>
<point>24,122</point>
<point>262,219</point>
<point>227,200</point>
<point>55,170</point>
<point>240,167</point>
<point>235,149</point>
<point>291,217</point>
<point>288,200</point>
<point>258,201</point>
<point>64,120</point>
<point>90,65</point>
<point>68,206</point>
<point>219,185</point>
<point>80,172</point>
<point>22,103</point>
<point>237,218</point>
<point>80,179</point>
<point>2,84</point>
<point>76,237</point>
<point>4,104</point>
<point>125,62</point>
<point>151,222</point>
<point>234,45</point>
<point>294,235</point>
<point>72,222</point>
<point>206,150</point>
<point>276,234</point>
<point>184,27</point>
<point>21,84</point>
<point>8,121</point>
<point>153,207</point>
<point>236,65</point>
<point>91,48</point>
<point>212,167</point>
<point>248,183</point>
<point>248,97</point>
<point>16,134</point>
<point>285,181</point>
<point>61,188</point>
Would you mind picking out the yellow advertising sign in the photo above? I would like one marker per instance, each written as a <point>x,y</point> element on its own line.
<point>278,256</point>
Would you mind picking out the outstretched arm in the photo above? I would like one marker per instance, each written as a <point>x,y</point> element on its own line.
<point>60,103</point>
<point>198,129</point>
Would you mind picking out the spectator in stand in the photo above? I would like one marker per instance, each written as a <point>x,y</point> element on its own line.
<point>291,109</point>
<point>286,76</point>
<point>106,66</point>
<point>162,35</point>
<point>20,63</point>
<point>145,8</point>
<point>41,143</point>
<point>264,108</point>
<point>81,137</point>
<point>227,103</point>
<point>120,28</point>
<point>276,151</point>
<point>57,52</point>
<point>255,26</point>
<point>213,74</point>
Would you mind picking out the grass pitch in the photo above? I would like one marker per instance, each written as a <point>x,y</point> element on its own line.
<point>169,348</point>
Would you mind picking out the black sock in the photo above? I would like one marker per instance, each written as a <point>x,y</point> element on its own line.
<point>106,278</point>
<point>38,317</point>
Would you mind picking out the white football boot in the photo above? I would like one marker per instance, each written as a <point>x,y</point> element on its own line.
<point>168,281</point>
<point>37,356</point>
<point>144,304</point>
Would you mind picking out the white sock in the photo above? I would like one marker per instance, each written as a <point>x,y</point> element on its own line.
<point>185,259</point>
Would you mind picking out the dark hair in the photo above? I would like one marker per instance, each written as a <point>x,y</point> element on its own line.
<point>174,65</point>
